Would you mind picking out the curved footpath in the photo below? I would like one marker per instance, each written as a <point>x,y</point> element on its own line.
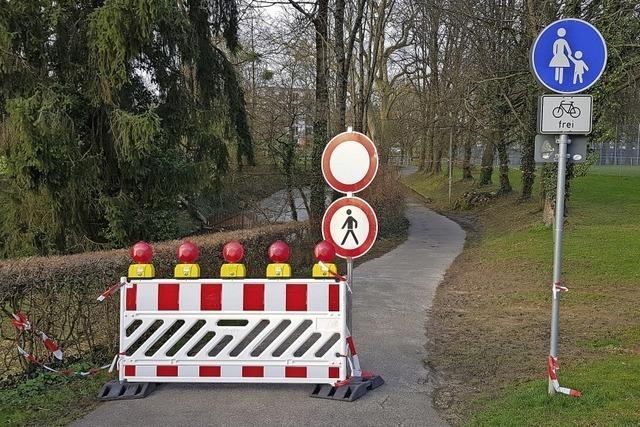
<point>392,296</point>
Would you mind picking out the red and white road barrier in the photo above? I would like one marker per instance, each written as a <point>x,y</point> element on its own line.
<point>264,295</point>
<point>552,370</point>
<point>249,330</point>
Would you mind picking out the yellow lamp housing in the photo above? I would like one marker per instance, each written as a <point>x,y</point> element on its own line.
<point>233,271</point>
<point>187,271</point>
<point>278,270</point>
<point>141,271</point>
<point>321,271</point>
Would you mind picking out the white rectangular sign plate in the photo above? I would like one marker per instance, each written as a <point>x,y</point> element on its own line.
<point>561,114</point>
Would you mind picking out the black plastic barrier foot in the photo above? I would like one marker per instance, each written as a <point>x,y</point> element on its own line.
<point>348,392</point>
<point>115,390</point>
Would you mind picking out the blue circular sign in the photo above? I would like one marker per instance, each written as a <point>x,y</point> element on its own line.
<point>568,56</point>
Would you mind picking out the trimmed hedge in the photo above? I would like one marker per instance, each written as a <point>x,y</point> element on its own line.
<point>59,293</point>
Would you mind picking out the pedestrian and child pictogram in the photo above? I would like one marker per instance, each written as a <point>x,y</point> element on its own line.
<point>568,56</point>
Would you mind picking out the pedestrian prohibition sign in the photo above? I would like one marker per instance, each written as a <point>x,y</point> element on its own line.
<point>350,224</point>
<point>569,56</point>
<point>349,162</point>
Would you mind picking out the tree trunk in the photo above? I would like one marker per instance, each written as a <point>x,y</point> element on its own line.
<point>422,159</point>
<point>528,164</point>
<point>429,154</point>
<point>548,212</point>
<point>548,183</point>
<point>503,156</point>
<point>288,173</point>
<point>321,114</point>
<point>466,163</point>
<point>358,108</point>
<point>292,201</point>
<point>341,65</point>
<point>437,158</point>
<point>344,55</point>
<point>528,167</point>
<point>534,12</point>
<point>486,169</point>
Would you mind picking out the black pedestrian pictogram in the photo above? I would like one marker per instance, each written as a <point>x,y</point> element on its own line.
<point>350,223</point>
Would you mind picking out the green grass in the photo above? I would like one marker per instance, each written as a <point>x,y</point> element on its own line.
<point>612,399</point>
<point>599,316</point>
<point>435,187</point>
<point>49,399</point>
<point>602,238</point>
<point>615,170</point>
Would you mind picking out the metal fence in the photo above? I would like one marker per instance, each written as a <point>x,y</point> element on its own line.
<point>618,153</point>
<point>609,154</point>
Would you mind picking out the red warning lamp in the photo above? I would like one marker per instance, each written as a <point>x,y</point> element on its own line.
<point>325,251</point>
<point>233,252</point>
<point>279,252</point>
<point>188,253</point>
<point>141,253</point>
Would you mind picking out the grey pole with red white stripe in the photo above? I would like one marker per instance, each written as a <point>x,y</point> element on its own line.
<point>563,140</point>
<point>556,287</point>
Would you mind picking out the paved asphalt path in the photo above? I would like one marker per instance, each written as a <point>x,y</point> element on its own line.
<point>391,297</point>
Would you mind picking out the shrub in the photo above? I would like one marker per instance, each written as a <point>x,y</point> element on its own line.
<point>386,195</point>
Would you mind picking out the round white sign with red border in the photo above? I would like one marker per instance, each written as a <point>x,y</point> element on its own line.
<point>349,162</point>
<point>350,224</point>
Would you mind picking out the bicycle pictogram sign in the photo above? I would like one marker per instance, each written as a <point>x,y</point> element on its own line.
<point>566,107</point>
<point>558,114</point>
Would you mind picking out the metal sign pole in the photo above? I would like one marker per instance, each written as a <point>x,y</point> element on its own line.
<point>350,280</point>
<point>638,148</point>
<point>450,162</point>
<point>563,140</point>
<point>350,295</point>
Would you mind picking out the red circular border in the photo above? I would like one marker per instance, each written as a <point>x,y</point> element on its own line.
<point>373,226</point>
<point>373,162</point>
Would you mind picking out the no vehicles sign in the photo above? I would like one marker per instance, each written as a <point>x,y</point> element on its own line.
<point>351,225</point>
<point>349,162</point>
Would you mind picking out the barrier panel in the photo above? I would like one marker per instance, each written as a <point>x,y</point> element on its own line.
<point>234,331</point>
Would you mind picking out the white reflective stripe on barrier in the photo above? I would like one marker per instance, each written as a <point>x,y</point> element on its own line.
<point>251,330</point>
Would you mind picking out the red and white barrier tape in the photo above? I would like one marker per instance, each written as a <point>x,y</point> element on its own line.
<point>354,362</point>
<point>66,372</point>
<point>557,287</point>
<point>552,370</point>
<point>22,323</point>
<point>357,371</point>
<point>326,268</point>
<point>110,291</point>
